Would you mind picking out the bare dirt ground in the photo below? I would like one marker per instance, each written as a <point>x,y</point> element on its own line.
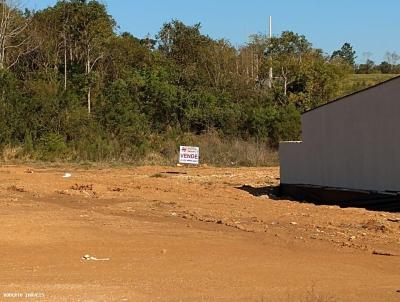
<point>194,234</point>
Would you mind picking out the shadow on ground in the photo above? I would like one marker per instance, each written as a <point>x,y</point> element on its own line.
<point>271,192</point>
<point>328,196</point>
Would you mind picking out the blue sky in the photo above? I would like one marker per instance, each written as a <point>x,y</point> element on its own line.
<point>369,25</point>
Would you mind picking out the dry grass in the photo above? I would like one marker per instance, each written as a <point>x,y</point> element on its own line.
<point>235,152</point>
<point>218,151</point>
<point>9,153</point>
<point>214,150</point>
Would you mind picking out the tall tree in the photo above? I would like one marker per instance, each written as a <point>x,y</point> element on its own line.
<point>392,58</point>
<point>286,54</point>
<point>13,39</point>
<point>185,46</point>
<point>346,53</point>
<point>91,28</point>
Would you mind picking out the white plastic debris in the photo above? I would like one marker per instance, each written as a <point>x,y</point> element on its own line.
<point>67,175</point>
<point>88,257</point>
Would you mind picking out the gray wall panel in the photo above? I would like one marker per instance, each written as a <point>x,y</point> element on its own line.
<point>350,143</point>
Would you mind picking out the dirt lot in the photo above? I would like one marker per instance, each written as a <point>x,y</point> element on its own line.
<point>192,234</point>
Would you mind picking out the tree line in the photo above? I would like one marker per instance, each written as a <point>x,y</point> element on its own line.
<point>388,66</point>
<point>73,87</point>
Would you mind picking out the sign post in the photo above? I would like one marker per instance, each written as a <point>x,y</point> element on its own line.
<point>189,155</point>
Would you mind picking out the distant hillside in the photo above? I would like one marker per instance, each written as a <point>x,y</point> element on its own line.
<point>356,82</point>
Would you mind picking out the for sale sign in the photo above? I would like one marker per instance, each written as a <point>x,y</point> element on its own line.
<point>189,155</point>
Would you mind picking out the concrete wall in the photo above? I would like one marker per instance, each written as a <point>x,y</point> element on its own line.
<point>351,143</point>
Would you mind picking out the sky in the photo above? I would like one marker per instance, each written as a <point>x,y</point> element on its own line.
<point>370,26</point>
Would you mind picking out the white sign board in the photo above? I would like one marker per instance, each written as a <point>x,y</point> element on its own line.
<point>189,155</point>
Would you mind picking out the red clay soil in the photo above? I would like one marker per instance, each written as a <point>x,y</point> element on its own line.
<point>196,234</point>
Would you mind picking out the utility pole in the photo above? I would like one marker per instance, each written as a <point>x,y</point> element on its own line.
<point>270,57</point>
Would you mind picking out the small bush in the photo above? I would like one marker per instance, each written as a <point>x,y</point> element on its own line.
<point>10,153</point>
<point>52,147</point>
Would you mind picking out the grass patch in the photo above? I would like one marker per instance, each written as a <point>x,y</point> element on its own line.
<point>215,150</point>
<point>219,151</point>
<point>357,82</point>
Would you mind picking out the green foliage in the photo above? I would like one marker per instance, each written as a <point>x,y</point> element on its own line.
<point>121,115</point>
<point>148,96</point>
<point>261,120</point>
<point>28,144</point>
<point>52,146</point>
<point>288,43</point>
<point>288,125</point>
<point>205,110</point>
<point>182,43</point>
<point>346,53</point>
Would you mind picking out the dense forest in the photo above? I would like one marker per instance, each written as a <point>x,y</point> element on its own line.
<point>74,88</point>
